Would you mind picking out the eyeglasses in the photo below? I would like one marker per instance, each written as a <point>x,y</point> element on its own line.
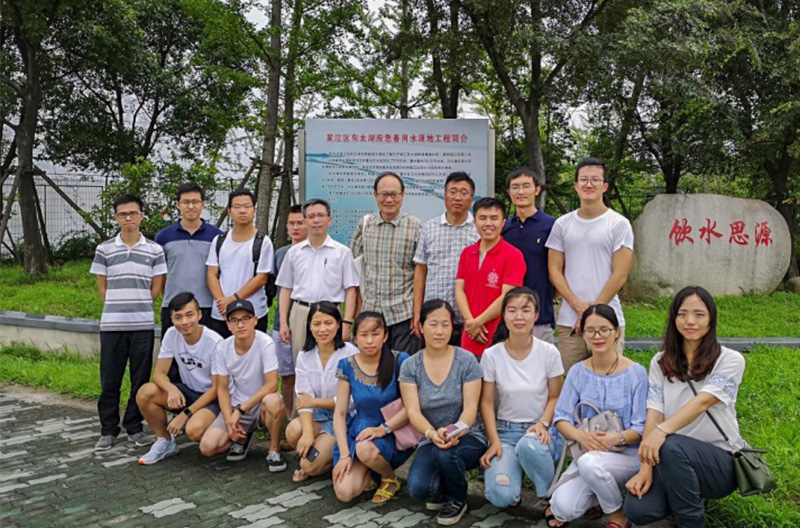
<point>242,207</point>
<point>296,224</point>
<point>191,202</point>
<point>317,215</point>
<point>521,187</point>
<point>383,195</point>
<point>452,193</point>
<point>236,321</point>
<point>132,214</point>
<point>593,181</point>
<point>602,332</point>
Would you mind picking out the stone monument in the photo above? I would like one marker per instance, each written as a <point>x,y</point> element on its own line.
<point>730,246</point>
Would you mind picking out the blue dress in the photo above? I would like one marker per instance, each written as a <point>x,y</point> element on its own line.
<point>369,397</point>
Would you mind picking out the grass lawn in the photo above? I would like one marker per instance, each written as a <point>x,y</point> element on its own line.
<point>71,291</point>
<point>768,407</point>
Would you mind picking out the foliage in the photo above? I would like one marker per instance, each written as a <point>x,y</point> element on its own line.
<point>155,183</point>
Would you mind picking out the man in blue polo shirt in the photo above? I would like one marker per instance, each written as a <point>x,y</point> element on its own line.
<point>186,244</point>
<point>527,230</point>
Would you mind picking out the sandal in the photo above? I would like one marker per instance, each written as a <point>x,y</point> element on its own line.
<point>371,486</point>
<point>299,476</point>
<point>382,494</point>
<point>594,513</point>
<point>549,518</point>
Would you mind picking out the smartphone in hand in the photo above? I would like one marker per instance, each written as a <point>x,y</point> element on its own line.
<point>312,454</point>
<point>453,430</point>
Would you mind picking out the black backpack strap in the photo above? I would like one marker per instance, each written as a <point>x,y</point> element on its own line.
<point>220,240</point>
<point>258,241</point>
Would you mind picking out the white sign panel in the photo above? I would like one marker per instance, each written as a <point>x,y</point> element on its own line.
<point>342,157</point>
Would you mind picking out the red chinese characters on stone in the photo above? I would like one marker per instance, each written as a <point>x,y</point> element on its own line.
<point>738,235</point>
<point>763,234</point>
<point>680,232</point>
<point>708,231</point>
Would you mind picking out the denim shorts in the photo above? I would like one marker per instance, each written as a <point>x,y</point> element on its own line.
<point>325,418</point>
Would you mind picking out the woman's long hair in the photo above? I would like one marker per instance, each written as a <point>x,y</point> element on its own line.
<point>501,332</point>
<point>328,308</point>
<point>387,363</point>
<point>604,311</point>
<point>673,361</point>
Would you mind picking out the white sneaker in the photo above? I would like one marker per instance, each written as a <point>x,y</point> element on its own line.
<point>161,449</point>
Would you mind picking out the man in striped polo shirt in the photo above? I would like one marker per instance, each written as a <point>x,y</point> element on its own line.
<point>130,273</point>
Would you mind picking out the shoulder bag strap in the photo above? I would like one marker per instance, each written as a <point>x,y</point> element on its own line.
<point>713,420</point>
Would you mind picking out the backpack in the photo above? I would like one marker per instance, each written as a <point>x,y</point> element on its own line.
<point>270,288</point>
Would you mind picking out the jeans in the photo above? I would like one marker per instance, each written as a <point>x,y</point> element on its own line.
<point>441,474</point>
<point>598,477</point>
<point>503,479</point>
<point>689,471</point>
<point>116,350</point>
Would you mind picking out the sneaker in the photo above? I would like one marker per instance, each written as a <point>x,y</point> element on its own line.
<point>238,452</point>
<point>162,449</point>
<point>451,513</point>
<point>140,439</point>
<point>276,462</point>
<point>434,505</point>
<point>105,442</point>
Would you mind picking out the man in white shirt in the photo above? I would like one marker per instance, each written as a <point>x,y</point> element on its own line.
<point>193,400</point>
<point>317,269</point>
<point>591,251</point>
<point>239,266</point>
<point>246,369</point>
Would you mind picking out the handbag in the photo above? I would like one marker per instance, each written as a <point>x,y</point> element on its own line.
<point>605,421</point>
<point>406,437</point>
<point>753,476</point>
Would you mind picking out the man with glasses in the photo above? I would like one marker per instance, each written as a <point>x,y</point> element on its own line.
<point>317,269</point>
<point>298,232</point>
<point>528,230</point>
<point>186,244</point>
<point>239,263</point>
<point>388,240</point>
<point>130,274</point>
<point>440,246</point>
<point>591,251</point>
<point>246,374</point>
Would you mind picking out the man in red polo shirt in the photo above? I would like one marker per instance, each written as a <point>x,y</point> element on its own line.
<point>486,271</point>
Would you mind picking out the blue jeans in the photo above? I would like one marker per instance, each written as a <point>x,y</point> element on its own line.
<point>441,474</point>
<point>503,479</point>
<point>325,418</point>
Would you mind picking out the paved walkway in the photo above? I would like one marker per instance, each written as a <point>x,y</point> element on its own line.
<point>51,477</point>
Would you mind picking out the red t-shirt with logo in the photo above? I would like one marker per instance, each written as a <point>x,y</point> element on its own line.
<point>483,283</point>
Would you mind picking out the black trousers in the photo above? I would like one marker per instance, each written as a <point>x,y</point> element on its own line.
<point>221,327</point>
<point>117,350</point>
<point>689,472</point>
<point>401,339</point>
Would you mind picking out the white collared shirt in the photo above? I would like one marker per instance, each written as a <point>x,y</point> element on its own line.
<point>316,380</point>
<point>321,274</point>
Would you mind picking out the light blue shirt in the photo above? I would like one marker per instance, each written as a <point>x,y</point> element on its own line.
<point>625,393</point>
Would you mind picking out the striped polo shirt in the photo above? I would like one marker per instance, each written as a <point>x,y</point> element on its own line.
<point>129,275</point>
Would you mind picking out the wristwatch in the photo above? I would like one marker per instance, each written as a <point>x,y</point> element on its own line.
<point>347,321</point>
<point>239,408</point>
<point>545,423</point>
<point>188,412</point>
<point>386,428</point>
<point>236,296</point>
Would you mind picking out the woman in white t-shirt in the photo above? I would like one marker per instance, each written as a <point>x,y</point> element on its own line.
<point>523,377</point>
<point>311,433</point>
<point>684,457</point>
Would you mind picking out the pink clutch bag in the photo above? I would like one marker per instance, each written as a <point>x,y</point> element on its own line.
<point>406,437</point>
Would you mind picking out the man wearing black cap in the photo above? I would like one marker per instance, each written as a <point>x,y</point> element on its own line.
<point>246,369</point>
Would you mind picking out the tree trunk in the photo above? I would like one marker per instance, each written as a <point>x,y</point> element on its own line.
<point>533,146</point>
<point>266,169</point>
<point>34,256</point>
<point>779,175</point>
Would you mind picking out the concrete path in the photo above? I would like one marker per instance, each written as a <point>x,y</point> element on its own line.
<point>51,477</point>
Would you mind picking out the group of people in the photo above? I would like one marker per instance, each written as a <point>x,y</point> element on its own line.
<point>431,340</point>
